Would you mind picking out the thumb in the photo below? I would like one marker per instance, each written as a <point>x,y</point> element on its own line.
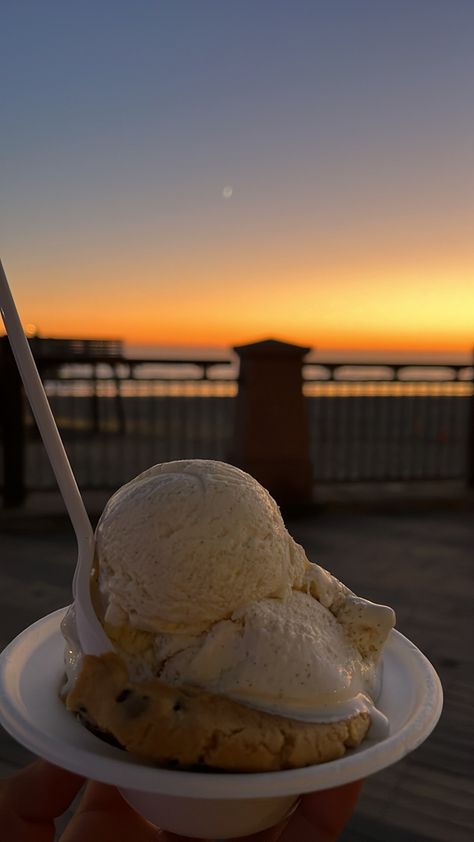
<point>32,799</point>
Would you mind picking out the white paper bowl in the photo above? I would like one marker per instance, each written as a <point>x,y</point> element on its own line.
<point>199,804</point>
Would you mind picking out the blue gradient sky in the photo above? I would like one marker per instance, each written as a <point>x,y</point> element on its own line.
<point>345,129</point>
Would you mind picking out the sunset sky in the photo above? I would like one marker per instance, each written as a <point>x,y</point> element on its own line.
<point>212,172</point>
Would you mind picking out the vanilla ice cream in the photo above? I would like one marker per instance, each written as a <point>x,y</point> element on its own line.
<point>187,543</point>
<point>198,583</point>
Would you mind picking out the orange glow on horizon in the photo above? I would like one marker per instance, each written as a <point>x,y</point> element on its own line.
<point>406,308</point>
<point>213,334</point>
<point>324,341</point>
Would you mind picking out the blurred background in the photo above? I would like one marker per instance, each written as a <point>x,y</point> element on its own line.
<point>244,231</point>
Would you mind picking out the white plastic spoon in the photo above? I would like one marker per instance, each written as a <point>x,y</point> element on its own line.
<point>91,635</point>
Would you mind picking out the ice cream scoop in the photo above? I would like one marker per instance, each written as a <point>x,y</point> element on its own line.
<point>186,543</point>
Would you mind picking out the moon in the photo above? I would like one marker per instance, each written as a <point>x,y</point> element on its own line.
<point>227,192</point>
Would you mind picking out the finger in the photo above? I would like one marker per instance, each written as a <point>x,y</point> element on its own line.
<point>322,815</point>
<point>39,791</point>
<point>104,816</point>
<point>32,799</point>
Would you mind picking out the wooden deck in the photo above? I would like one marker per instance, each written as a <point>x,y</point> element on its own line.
<point>419,562</point>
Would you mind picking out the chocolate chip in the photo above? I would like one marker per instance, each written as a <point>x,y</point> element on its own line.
<point>134,705</point>
<point>123,696</point>
<point>177,705</point>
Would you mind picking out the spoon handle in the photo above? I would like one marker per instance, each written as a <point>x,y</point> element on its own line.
<point>42,413</point>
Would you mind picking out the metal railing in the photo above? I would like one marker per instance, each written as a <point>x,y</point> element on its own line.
<point>390,423</point>
<point>367,423</point>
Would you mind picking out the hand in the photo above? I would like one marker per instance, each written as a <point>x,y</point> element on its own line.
<point>34,797</point>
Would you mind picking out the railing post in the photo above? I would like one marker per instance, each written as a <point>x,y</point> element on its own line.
<point>272,439</point>
<point>13,428</point>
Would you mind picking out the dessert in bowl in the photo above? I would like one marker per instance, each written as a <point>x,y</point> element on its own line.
<point>239,674</point>
<point>229,648</point>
